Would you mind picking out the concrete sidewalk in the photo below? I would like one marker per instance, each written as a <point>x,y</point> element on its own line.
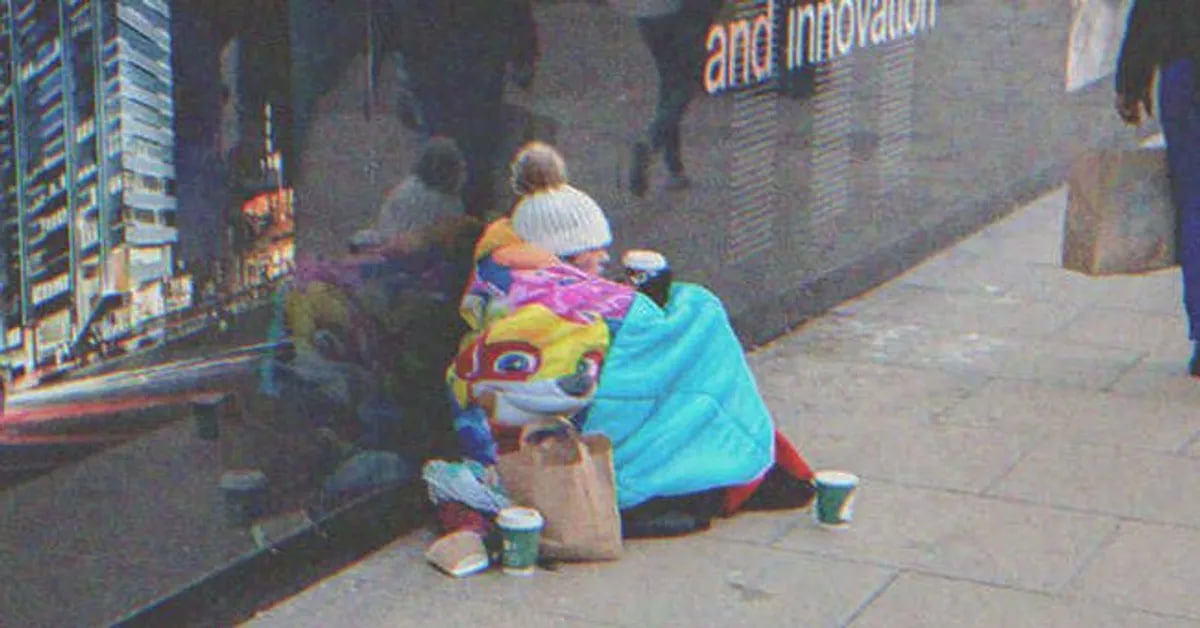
<point>1029,443</point>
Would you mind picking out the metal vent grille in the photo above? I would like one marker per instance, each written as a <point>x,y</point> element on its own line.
<point>830,162</point>
<point>754,159</point>
<point>895,121</point>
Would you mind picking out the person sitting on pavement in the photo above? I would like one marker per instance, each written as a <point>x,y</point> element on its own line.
<point>669,386</point>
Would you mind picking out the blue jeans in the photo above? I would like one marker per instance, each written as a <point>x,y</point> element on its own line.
<point>1180,107</point>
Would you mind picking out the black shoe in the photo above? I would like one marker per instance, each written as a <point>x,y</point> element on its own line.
<point>638,168</point>
<point>780,491</point>
<point>1194,365</point>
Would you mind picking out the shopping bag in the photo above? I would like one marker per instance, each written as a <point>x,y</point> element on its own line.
<point>1097,28</point>
<point>569,478</point>
<point>1120,216</point>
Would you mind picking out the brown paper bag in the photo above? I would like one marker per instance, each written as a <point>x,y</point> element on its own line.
<point>1120,216</point>
<point>569,478</point>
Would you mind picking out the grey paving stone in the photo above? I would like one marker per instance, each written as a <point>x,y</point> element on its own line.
<point>1147,567</point>
<point>1043,213</point>
<point>1161,375</point>
<point>1027,250</point>
<point>1062,363</point>
<point>801,391</point>
<point>850,339</point>
<point>959,535</point>
<point>961,270</point>
<point>1049,282</point>
<point>1077,415</point>
<point>1126,329</point>
<point>1154,292</point>
<point>991,311</point>
<point>382,606</point>
<point>965,459</point>
<point>1110,479</point>
<point>916,600</point>
<point>698,581</point>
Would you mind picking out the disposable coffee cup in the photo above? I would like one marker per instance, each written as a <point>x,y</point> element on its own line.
<point>521,530</point>
<point>835,497</point>
<point>245,492</point>
<point>649,272</point>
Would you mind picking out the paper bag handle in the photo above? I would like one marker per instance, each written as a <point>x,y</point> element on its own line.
<point>554,424</point>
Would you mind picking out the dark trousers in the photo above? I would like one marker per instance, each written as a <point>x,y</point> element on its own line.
<point>676,41</point>
<point>1179,102</point>
<point>468,111</point>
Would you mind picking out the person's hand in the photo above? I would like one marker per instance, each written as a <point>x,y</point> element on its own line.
<point>1129,107</point>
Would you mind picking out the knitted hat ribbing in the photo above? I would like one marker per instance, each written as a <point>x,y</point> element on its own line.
<point>562,220</point>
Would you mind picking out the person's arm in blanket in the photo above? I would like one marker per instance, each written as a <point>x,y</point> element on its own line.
<point>475,434</point>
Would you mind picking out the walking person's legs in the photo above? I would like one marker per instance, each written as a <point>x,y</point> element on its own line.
<point>1180,106</point>
<point>678,44</point>
<point>661,36</point>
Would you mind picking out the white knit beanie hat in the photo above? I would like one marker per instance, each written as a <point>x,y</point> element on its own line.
<point>562,220</point>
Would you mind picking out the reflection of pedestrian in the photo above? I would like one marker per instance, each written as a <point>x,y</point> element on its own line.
<point>674,31</point>
<point>457,54</point>
<point>1165,34</point>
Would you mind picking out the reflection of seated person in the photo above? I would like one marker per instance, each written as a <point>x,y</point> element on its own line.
<point>670,387</point>
<point>430,194</point>
<point>372,328</point>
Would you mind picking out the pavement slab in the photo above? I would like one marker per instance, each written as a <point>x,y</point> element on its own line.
<point>962,459</point>
<point>1158,423</point>
<point>1049,283</point>
<point>1112,479</point>
<point>1147,566</point>
<point>922,601</point>
<point>959,269</point>
<point>959,535</point>
<point>727,584</point>
<point>1120,328</point>
<point>804,394</point>
<point>1162,375</point>
<point>990,309</point>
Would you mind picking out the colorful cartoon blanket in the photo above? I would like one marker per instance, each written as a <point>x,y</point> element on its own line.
<point>670,388</point>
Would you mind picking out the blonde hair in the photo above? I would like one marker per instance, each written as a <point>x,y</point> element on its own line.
<point>537,166</point>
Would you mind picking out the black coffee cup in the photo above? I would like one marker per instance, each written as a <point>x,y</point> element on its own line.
<point>649,272</point>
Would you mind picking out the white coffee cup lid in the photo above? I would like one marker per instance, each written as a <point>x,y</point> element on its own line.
<point>519,518</point>
<point>642,259</point>
<point>837,478</point>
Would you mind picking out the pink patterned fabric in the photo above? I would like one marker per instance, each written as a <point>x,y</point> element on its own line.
<point>568,292</point>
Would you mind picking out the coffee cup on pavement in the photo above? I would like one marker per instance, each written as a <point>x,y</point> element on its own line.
<point>649,272</point>
<point>834,505</point>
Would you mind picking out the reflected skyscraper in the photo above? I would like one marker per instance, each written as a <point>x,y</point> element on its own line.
<point>86,171</point>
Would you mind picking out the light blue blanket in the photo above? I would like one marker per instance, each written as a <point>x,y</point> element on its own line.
<point>679,402</point>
